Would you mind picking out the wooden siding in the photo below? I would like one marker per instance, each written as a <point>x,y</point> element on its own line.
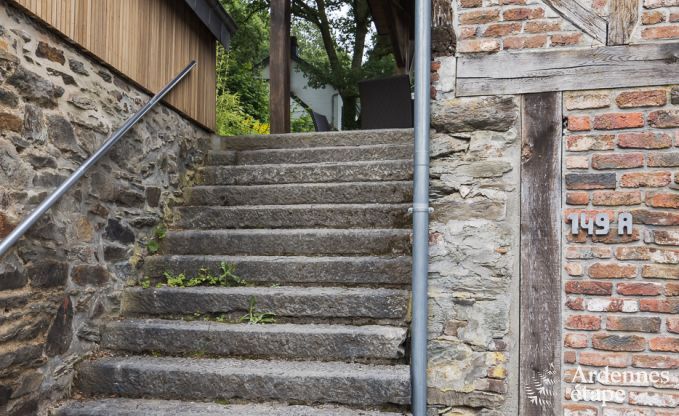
<point>149,41</point>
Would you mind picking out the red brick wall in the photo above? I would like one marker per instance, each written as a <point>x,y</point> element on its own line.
<point>491,26</point>
<point>494,25</point>
<point>658,21</point>
<point>621,300</point>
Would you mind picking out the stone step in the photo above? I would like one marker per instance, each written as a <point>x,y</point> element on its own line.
<point>295,242</point>
<point>224,379</point>
<point>324,139</point>
<point>285,341</point>
<point>311,155</point>
<point>140,407</point>
<point>391,170</point>
<point>324,271</point>
<point>392,192</point>
<point>294,216</point>
<point>284,301</point>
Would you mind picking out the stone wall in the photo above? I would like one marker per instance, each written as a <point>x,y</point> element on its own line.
<point>621,155</point>
<point>56,107</point>
<point>474,249</point>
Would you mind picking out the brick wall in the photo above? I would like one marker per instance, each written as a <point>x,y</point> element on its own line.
<point>494,25</point>
<point>488,26</point>
<point>621,154</point>
<point>658,21</point>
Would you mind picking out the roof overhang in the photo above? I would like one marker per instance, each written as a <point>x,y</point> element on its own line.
<point>395,19</point>
<point>215,18</point>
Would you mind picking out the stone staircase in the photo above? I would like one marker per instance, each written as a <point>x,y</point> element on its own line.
<point>318,227</point>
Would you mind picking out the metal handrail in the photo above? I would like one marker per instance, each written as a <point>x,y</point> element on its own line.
<point>26,224</point>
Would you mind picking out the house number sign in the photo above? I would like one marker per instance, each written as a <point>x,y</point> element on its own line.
<point>600,224</point>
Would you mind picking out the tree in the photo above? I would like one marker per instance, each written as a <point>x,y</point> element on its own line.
<point>334,37</point>
<point>240,90</point>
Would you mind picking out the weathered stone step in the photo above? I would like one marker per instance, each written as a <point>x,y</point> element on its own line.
<point>285,301</point>
<point>392,192</point>
<point>324,271</point>
<point>139,407</point>
<point>296,242</point>
<point>286,341</point>
<point>295,216</point>
<point>324,139</point>
<point>311,155</point>
<point>213,379</point>
<point>391,170</point>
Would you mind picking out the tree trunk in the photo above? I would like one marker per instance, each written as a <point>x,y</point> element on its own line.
<point>349,113</point>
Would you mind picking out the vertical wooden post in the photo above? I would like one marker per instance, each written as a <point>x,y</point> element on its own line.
<point>622,19</point>
<point>540,304</point>
<point>279,67</point>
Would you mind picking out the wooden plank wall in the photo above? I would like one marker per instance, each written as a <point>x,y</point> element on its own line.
<point>150,41</point>
<point>540,304</point>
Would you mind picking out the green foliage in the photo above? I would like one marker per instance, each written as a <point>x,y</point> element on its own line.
<point>175,280</point>
<point>145,283</point>
<point>153,244</point>
<point>337,40</point>
<point>226,278</point>
<point>233,120</point>
<point>253,317</point>
<point>242,95</point>
<point>302,124</point>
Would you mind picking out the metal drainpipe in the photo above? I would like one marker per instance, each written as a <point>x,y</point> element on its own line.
<point>418,360</point>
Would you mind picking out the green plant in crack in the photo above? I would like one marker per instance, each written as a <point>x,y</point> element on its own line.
<point>226,278</point>
<point>145,283</point>
<point>253,317</point>
<point>153,244</point>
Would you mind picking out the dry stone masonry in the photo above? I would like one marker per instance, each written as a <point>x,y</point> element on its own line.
<point>474,251</point>
<point>56,106</point>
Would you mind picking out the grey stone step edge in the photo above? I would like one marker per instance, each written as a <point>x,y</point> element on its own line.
<point>287,341</point>
<point>148,407</point>
<point>386,192</point>
<point>311,155</point>
<point>284,301</point>
<point>253,380</point>
<point>324,139</point>
<point>292,270</point>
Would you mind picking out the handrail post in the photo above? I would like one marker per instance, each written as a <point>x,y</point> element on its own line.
<point>26,224</point>
<point>418,364</point>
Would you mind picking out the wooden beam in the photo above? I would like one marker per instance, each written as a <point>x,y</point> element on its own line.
<point>623,16</point>
<point>540,287</point>
<point>581,17</point>
<point>279,67</point>
<point>568,70</point>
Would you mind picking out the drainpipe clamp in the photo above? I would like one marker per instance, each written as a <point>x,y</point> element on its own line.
<point>420,208</point>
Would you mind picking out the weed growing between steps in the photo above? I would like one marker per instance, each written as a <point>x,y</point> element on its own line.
<point>253,317</point>
<point>226,278</point>
<point>153,244</point>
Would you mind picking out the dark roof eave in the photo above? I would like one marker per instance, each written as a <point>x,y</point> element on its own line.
<point>215,18</point>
